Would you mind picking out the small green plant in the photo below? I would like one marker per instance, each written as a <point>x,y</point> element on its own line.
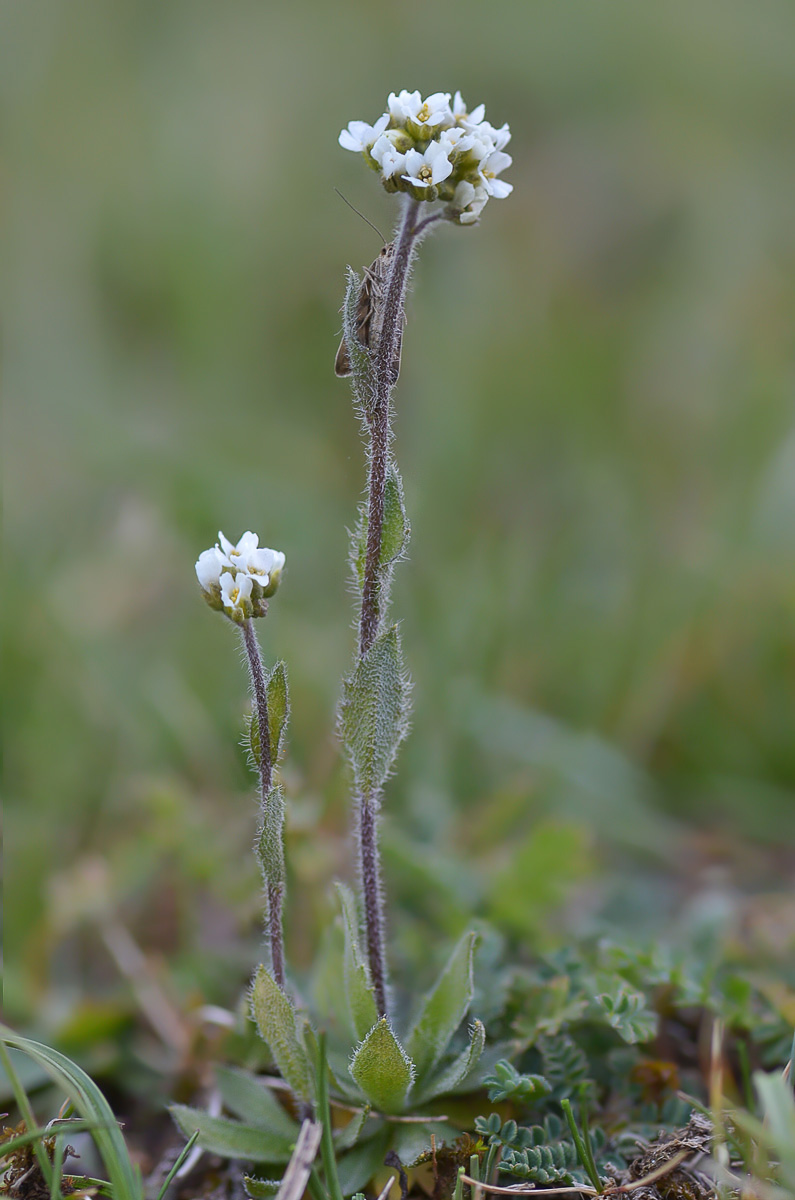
<point>49,1144</point>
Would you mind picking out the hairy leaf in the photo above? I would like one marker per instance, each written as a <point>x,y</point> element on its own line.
<point>248,1098</point>
<point>444,1009</point>
<point>395,528</point>
<point>460,1070</point>
<point>270,843</point>
<point>358,989</point>
<point>382,1069</point>
<point>278,709</point>
<point>261,1189</point>
<point>357,1168</point>
<point>374,712</point>
<point>275,1018</point>
<point>232,1139</point>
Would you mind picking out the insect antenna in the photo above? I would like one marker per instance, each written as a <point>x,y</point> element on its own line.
<point>361,214</point>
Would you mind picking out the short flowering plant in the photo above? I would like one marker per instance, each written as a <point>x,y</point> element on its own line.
<point>389,1070</point>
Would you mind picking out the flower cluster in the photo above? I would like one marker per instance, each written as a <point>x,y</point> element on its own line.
<point>237,580</point>
<point>435,150</point>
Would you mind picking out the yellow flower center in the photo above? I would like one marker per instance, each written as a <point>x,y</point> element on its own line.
<point>424,113</point>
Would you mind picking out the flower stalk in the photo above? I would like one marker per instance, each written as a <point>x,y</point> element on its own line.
<point>275,888</point>
<point>431,150</point>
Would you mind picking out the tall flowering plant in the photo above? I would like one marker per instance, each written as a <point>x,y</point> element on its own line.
<point>445,161</point>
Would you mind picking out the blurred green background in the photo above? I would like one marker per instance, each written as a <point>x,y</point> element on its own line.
<point>595,427</point>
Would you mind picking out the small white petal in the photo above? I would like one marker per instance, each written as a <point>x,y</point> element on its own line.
<point>208,567</point>
<point>226,545</point>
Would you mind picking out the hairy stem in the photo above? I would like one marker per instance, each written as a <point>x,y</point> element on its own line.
<point>379,424</point>
<point>370,869</point>
<point>275,932</point>
<point>379,420</point>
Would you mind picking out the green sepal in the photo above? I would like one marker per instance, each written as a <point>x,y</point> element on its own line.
<point>276,1020</point>
<point>382,1069</point>
<point>232,1139</point>
<point>374,712</point>
<point>247,1097</point>
<point>269,846</point>
<point>358,989</point>
<point>444,1009</point>
<point>460,1070</point>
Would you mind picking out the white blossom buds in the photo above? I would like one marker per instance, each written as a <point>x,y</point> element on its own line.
<point>435,151</point>
<point>238,579</point>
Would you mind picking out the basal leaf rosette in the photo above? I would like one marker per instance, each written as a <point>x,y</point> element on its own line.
<point>435,150</point>
<point>237,580</point>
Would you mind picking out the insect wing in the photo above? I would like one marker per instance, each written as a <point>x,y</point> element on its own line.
<point>368,302</point>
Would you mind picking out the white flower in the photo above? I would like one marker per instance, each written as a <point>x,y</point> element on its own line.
<point>430,148</point>
<point>409,106</point>
<point>209,566</point>
<point>249,557</point>
<point>498,137</point>
<point>490,169</point>
<point>388,157</point>
<point>462,116</point>
<point>470,200</point>
<point>359,136</point>
<point>430,168</point>
<point>238,579</point>
<point>236,594</point>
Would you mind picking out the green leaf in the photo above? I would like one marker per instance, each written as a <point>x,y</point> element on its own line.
<point>374,712</point>
<point>460,1069</point>
<point>248,1098</point>
<point>92,1106</point>
<point>412,1142</point>
<point>232,1139</point>
<point>627,1011</point>
<point>395,529</point>
<point>382,1069</point>
<point>278,709</point>
<point>261,1189</point>
<point>275,1018</point>
<point>270,843</point>
<point>349,1135</point>
<point>356,1168</point>
<point>538,877</point>
<point>506,1083</point>
<point>444,1009</point>
<point>358,989</point>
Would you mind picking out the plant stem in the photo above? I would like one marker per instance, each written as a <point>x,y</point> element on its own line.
<point>379,420</point>
<point>370,867</point>
<point>259,685</point>
<point>380,430</point>
<point>324,1117</point>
